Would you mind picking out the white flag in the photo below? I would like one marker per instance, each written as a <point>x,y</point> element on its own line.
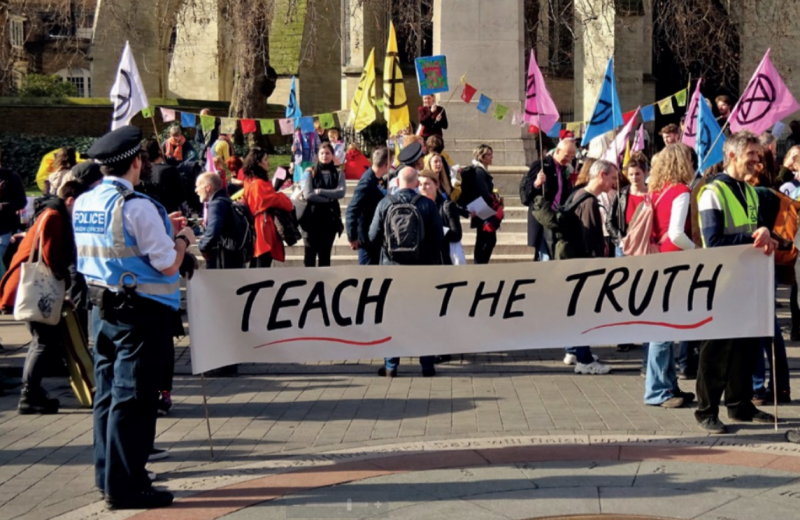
<point>127,94</point>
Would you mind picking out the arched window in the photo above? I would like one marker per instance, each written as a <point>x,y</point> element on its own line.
<point>81,78</point>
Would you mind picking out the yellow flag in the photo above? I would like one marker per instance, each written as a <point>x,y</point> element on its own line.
<point>394,91</point>
<point>362,109</point>
<point>627,155</point>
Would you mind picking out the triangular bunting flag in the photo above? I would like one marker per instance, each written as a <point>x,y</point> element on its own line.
<point>575,128</point>
<point>147,112</point>
<point>648,113</point>
<point>307,125</point>
<point>484,103</point>
<point>326,121</point>
<point>665,106</point>
<point>468,93</point>
<point>207,123</point>
<point>267,126</point>
<point>188,120</point>
<point>680,97</point>
<point>248,126</point>
<point>500,112</point>
<point>167,115</point>
<point>287,126</point>
<point>517,119</point>
<point>227,125</point>
<point>628,115</point>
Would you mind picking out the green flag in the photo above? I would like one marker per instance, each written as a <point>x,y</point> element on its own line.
<point>500,112</point>
<point>326,121</point>
<point>207,123</point>
<point>267,126</point>
<point>147,112</point>
<point>680,97</point>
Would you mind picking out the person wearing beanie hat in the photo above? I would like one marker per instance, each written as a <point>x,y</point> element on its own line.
<point>131,252</point>
<point>88,173</point>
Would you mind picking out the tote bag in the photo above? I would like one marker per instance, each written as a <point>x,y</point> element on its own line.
<point>40,295</point>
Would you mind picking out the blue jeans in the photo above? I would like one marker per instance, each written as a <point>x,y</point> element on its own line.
<point>368,256</point>
<point>781,363</point>
<point>662,380</point>
<point>584,354</point>
<point>392,363</point>
<point>129,359</point>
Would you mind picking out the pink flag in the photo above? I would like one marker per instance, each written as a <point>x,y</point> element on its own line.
<point>766,101</point>
<point>539,107</point>
<point>638,141</point>
<point>617,148</point>
<point>167,115</point>
<point>690,123</point>
<point>210,160</point>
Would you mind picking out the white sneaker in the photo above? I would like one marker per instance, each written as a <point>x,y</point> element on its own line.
<point>593,368</point>
<point>572,359</point>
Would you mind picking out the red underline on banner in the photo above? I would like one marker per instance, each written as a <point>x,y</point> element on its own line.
<point>654,324</point>
<point>329,340</point>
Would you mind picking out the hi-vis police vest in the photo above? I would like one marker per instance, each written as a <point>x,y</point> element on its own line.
<point>737,220</point>
<point>108,255</point>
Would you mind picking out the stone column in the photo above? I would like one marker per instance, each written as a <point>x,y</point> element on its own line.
<point>365,27</point>
<point>483,38</point>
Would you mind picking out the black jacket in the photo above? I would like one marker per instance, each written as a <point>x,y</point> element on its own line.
<point>12,199</point>
<point>535,230</point>
<point>166,186</point>
<point>476,182</point>
<point>451,219</point>
<point>434,234</point>
<point>362,207</point>
<point>616,223</point>
<point>220,224</point>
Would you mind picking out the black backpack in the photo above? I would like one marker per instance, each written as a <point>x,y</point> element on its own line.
<point>566,227</point>
<point>286,225</point>
<point>404,231</point>
<point>243,239</point>
<point>526,190</point>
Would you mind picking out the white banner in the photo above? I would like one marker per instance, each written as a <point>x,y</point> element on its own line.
<point>358,312</point>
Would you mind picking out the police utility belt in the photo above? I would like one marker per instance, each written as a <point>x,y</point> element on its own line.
<point>112,301</point>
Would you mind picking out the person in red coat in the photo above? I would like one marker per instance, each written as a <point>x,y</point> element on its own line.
<point>432,118</point>
<point>260,196</point>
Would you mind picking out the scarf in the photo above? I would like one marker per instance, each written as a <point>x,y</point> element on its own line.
<point>175,148</point>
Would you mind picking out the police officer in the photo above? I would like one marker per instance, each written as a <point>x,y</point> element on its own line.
<point>131,258</point>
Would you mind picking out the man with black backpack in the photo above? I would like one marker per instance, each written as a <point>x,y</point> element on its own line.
<point>220,225</point>
<point>410,230</point>
<point>548,178</point>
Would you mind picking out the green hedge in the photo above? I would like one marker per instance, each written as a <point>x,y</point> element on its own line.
<point>23,153</point>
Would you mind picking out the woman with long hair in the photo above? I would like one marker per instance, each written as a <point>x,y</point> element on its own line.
<point>435,163</point>
<point>260,197</point>
<point>323,188</point>
<point>669,185</point>
<point>63,161</point>
<point>429,187</point>
<point>625,201</point>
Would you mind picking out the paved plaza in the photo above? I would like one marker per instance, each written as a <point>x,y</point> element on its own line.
<point>503,435</point>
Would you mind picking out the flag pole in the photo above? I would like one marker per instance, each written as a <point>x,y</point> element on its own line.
<point>774,386</point>
<point>205,409</point>
<point>711,148</point>
<point>155,128</point>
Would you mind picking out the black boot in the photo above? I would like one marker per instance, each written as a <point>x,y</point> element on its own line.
<point>35,400</point>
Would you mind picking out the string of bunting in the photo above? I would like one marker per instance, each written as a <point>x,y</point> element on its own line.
<point>229,125</point>
<point>648,113</point>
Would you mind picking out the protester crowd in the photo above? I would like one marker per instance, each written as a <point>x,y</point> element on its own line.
<point>409,207</point>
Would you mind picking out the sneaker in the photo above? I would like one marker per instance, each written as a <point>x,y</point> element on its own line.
<point>784,397</point>
<point>688,397</point>
<point>164,403</point>
<point>34,400</point>
<point>672,402</point>
<point>157,454</point>
<point>713,425</point>
<point>428,372</point>
<point>593,368</point>
<point>382,372</point>
<point>148,499</point>
<point>793,436</point>
<point>643,372</point>
<point>572,359</point>
<point>759,417</point>
<point>625,347</point>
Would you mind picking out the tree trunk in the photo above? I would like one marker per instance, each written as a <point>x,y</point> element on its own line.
<point>254,78</point>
